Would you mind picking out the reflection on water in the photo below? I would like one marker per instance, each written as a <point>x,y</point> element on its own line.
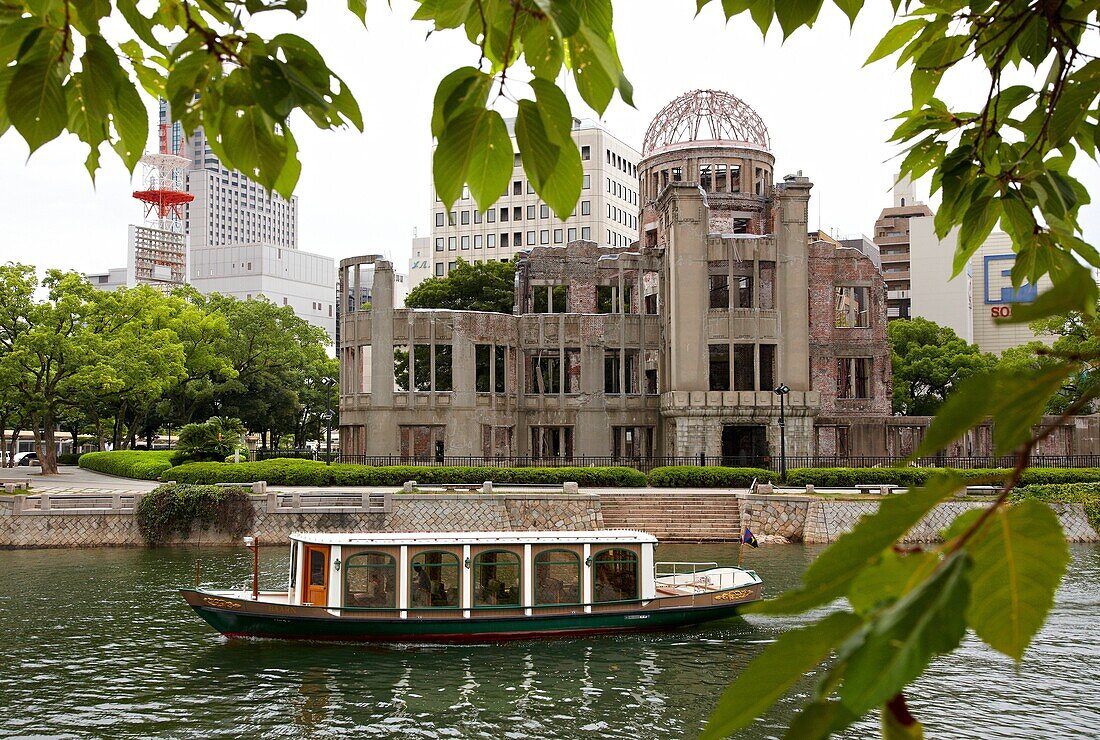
<point>96,643</point>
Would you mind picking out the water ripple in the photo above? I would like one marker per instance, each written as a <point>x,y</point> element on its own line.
<point>98,644</point>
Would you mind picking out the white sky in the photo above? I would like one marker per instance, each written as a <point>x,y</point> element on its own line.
<point>365,193</point>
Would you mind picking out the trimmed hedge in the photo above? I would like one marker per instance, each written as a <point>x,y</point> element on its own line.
<point>143,464</point>
<point>293,472</point>
<point>689,476</point>
<point>1087,494</point>
<point>848,477</point>
<point>68,459</point>
<point>174,509</point>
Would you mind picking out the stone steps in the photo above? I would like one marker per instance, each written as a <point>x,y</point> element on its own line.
<point>673,517</point>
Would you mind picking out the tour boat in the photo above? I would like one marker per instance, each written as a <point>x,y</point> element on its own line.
<point>475,587</point>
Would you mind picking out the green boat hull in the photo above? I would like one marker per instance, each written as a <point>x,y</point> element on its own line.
<point>324,626</point>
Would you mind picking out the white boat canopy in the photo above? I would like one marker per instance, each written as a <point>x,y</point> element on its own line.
<point>383,539</point>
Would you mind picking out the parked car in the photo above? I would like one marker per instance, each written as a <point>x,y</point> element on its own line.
<point>26,458</point>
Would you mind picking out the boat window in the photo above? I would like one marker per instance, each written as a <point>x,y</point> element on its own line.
<point>317,567</point>
<point>496,579</point>
<point>370,580</point>
<point>434,579</point>
<point>293,563</point>
<point>557,577</point>
<point>615,575</point>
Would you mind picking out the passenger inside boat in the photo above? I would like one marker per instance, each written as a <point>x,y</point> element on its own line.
<point>370,580</point>
<point>435,580</point>
<point>616,575</point>
<point>496,575</point>
<point>557,577</point>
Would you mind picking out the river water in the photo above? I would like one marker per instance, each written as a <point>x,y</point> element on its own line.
<point>96,644</point>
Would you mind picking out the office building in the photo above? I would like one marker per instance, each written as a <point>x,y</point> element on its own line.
<point>287,277</point>
<point>605,214</point>
<point>892,238</point>
<point>973,302</point>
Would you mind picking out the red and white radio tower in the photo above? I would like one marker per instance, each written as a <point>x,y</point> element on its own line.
<point>164,195</point>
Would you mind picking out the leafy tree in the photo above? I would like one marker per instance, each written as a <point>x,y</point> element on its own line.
<point>929,360</point>
<point>481,286</point>
<point>212,440</point>
<point>1077,339</point>
<point>272,352</point>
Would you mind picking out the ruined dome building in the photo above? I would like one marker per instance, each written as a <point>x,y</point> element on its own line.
<point>671,347</point>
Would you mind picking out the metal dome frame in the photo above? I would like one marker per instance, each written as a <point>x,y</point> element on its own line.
<point>726,117</point>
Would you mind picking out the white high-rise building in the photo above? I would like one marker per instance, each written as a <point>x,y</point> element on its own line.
<point>243,239</point>
<point>607,212</point>
<point>229,208</point>
<point>287,277</point>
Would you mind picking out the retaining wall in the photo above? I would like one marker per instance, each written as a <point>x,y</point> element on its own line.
<point>273,524</point>
<point>815,520</point>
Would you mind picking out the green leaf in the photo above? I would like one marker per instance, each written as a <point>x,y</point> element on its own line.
<point>539,154</point>
<point>762,12</point>
<point>850,8</point>
<point>358,8</point>
<point>1020,556</point>
<point>820,719</point>
<point>897,37</point>
<point>976,226</point>
<point>464,88</point>
<point>889,579</point>
<point>776,669</point>
<point>248,135</point>
<point>1014,399</point>
<point>560,184</point>
<point>1072,292</point>
<point>897,646</point>
<point>35,100</point>
<point>470,146</point>
<point>831,574</point>
<point>131,121</point>
<point>491,161</point>
<point>793,14</point>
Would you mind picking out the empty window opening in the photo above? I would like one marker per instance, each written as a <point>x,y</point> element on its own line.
<point>719,369</point>
<point>853,377</point>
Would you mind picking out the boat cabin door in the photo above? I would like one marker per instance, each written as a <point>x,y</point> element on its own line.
<point>315,575</point>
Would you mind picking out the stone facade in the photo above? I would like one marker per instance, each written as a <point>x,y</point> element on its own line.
<point>672,347</point>
<point>409,513</point>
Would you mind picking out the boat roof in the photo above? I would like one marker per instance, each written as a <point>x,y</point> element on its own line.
<point>473,538</point>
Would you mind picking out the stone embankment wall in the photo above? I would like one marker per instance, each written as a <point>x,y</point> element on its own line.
<point>407,512</point>
<point>816,520</point>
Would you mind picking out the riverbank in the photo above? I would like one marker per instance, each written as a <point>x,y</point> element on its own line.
<point>105,518</point>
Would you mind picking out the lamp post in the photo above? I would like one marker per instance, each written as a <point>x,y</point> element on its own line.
<point>328,383</point>
<point>782,390</point>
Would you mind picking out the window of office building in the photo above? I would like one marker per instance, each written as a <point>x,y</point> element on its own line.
<point>530,212</point>
<point>544,236</point>
<point>530,238</point>
<point>439,218</point>
<point>586,153</point>
<point>586,207</point>
<point>466,242</point>
<point>491,216</point>
<point>452,243</point>
<point>465,218</point>
<point>587,182</point>
<point>439,244</point>
<point>517,213</point>
<point>451,218</point>
<point>503,214</point>
<point>586,233</point>
<point>571,235</point>
<point>477,241</point>
<point>558,236</point>
<point>477,217</point>
<point>517,187</point>
<point>490,240</point>
<point>544,211</point>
